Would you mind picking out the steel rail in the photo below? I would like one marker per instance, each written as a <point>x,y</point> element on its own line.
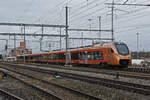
<point>131,87</point>
<point>33,86</point>
<point>90,97</point>
<point>9,96</point>
<point>120,72</point>
<point>143,72</point>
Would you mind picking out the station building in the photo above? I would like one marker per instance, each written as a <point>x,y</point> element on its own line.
<point>19,50</point>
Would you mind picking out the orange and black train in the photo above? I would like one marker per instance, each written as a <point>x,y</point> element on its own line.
<point>104,54</point>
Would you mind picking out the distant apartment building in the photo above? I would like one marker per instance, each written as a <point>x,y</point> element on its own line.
<point>19,50</point>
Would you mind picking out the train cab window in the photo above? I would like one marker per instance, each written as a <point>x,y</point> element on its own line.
<point>122,49</point>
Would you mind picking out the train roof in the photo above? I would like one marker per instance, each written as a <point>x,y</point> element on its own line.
<point>102,45</point>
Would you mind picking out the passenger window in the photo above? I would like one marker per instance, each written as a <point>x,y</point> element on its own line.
<point>83,56</point>
<point>96,55</point>
<point>90,56</point>
<point>74,56</point>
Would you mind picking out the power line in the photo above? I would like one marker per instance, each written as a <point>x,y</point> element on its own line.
<point>81,12</point>
<point>125,1</point>
<point>80,7</point>
<point>135,17</point>
<point>137,10</point>
<point>128,4</point>
<point>75,9</point>
<point>90,6</point>
<point>83,7</point>
<point>134,28</point>
<point>86,15</point>
<point>91,13</point>
<point>62,4</point>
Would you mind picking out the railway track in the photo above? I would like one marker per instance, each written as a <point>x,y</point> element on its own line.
<point>8,96</point>
<point>78,93</point>
<point>130,69</point>
<point>123,73</point>
<point>137,69</point>
<point>131,87</point>
<point>36,87</point>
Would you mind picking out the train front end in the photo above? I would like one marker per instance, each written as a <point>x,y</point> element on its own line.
<point>123,55</point>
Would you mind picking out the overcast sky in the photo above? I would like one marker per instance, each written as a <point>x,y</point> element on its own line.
<point>128,20</point>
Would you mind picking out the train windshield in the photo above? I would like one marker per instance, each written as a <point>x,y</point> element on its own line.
<point>122,49</point>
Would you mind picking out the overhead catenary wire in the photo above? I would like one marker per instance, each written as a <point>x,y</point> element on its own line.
<point>131,13</point>
<point>81,19</point>
<point>90,13</point>
<point>78,8</point>
<point>87,9</point>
